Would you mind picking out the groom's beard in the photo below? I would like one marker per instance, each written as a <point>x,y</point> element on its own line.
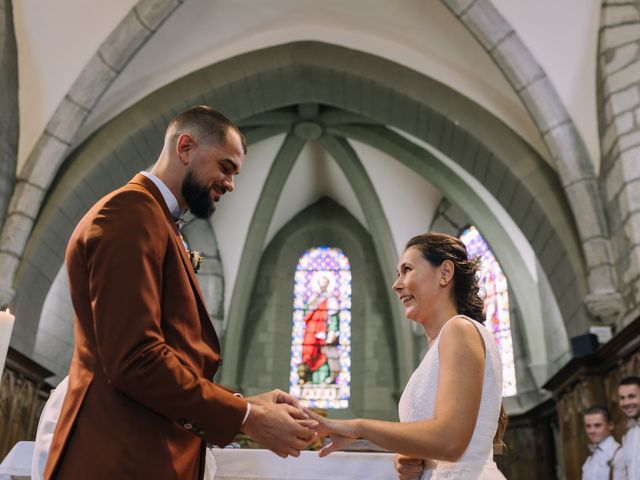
<point>197,196</point>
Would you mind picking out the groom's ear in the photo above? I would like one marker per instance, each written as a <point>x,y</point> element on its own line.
<point>184,145</point>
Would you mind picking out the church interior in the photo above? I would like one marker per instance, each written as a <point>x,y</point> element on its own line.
<point>514,125</point>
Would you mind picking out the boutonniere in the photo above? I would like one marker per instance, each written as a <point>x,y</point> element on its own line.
<point>196,259</point>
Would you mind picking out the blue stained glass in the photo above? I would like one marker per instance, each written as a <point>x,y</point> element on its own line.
<point>320,374</point>
<point>494,283</point>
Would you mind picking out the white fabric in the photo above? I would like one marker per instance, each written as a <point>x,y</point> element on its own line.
<point>631,454</point>
<point>46,427</point>
<point>210,464</point>
<point>169,197</point>
<point>597,465</point>
<point>418,402</point>
<point>17,462</point>
<point>240,464</point>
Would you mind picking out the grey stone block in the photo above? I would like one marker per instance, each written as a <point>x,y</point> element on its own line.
<point>545,106</point>
<point>632,227</point>
<point>584,197</point>
<point>8,266</point>
<point>153,12</point>
<point>614,36</point>
<point>516,62</point>
<point>616,14</point>
<point>625,142</point>
<point>458,6</point>
<point>624,100</point>
<point>568,152</point>
<point>621,124</point>
<point>618,58</point>
<point>614,180</point>
<point>15,234</point>
<point>486,23</point>
<point>66,120</point>
<point>94,79</point>
<point>597,251</point>
<point>629,199</point>
<point>633,265</point>
<point>44,161</point>
<point>630,160</point>
<point>26,199</point>
<point>124,42</point>
<point>624,78</point>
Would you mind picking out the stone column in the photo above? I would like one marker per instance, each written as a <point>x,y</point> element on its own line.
<point>8,106</point>
<point>619,125</point>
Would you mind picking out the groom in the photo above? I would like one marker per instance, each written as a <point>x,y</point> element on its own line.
<point>141,402</point>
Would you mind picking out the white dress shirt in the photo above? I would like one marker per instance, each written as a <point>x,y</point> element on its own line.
<point>631,453</point>
<point>597,465</point>
<point>46,427</point>
<point>169,197</point>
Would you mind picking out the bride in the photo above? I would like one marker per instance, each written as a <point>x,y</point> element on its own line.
<point>451,409</point>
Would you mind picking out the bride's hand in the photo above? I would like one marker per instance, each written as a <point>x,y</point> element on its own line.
<point>342,432</point>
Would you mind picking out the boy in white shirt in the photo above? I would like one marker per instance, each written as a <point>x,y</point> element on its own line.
<point>598,425</point>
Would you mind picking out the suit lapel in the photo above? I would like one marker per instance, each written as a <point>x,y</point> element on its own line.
<point>143,181</point>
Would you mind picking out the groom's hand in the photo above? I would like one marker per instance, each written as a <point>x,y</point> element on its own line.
<point>282,428</point>
<point>408,468</point>
<point>274,396</point>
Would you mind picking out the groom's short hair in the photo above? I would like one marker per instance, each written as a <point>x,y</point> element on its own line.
<point>210,124</point>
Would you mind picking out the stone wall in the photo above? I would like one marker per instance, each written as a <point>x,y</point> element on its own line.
<point>619,125</point>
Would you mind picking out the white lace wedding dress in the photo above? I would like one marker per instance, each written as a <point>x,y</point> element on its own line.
<point>418,402</point>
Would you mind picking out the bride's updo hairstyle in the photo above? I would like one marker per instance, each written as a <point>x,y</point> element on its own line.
<point>438,247</point>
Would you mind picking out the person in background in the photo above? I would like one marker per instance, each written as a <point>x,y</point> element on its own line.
<point>629,401</point>
<point>598,424</point>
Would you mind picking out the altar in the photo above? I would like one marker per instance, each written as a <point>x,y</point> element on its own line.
<point>251,464</point>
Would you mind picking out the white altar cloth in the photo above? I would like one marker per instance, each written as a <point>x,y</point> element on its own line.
<point>241,464</point>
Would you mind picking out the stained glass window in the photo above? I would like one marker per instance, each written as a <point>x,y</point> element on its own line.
<point>320,373</point>
<point>494,284</point>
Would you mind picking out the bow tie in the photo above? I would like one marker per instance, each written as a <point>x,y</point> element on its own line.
<point>633,422</point>
<point>179,223</point>
<point>593,447</point>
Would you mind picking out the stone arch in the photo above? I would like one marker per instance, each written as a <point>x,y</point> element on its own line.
<point>52,148</point>
<point>375,385</point>
<point>355,173</point>
<point>354,88</point>
<point>567,148</point>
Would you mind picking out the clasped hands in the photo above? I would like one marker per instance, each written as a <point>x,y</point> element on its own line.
<point>278,422</point>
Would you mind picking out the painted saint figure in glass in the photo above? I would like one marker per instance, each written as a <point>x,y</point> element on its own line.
<point>320,359</point>
<point>321,335</point>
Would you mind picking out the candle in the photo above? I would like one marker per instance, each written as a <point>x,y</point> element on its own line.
<point>6,326</point>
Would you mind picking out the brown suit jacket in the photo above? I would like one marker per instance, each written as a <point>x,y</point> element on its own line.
<point>141,401</point>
